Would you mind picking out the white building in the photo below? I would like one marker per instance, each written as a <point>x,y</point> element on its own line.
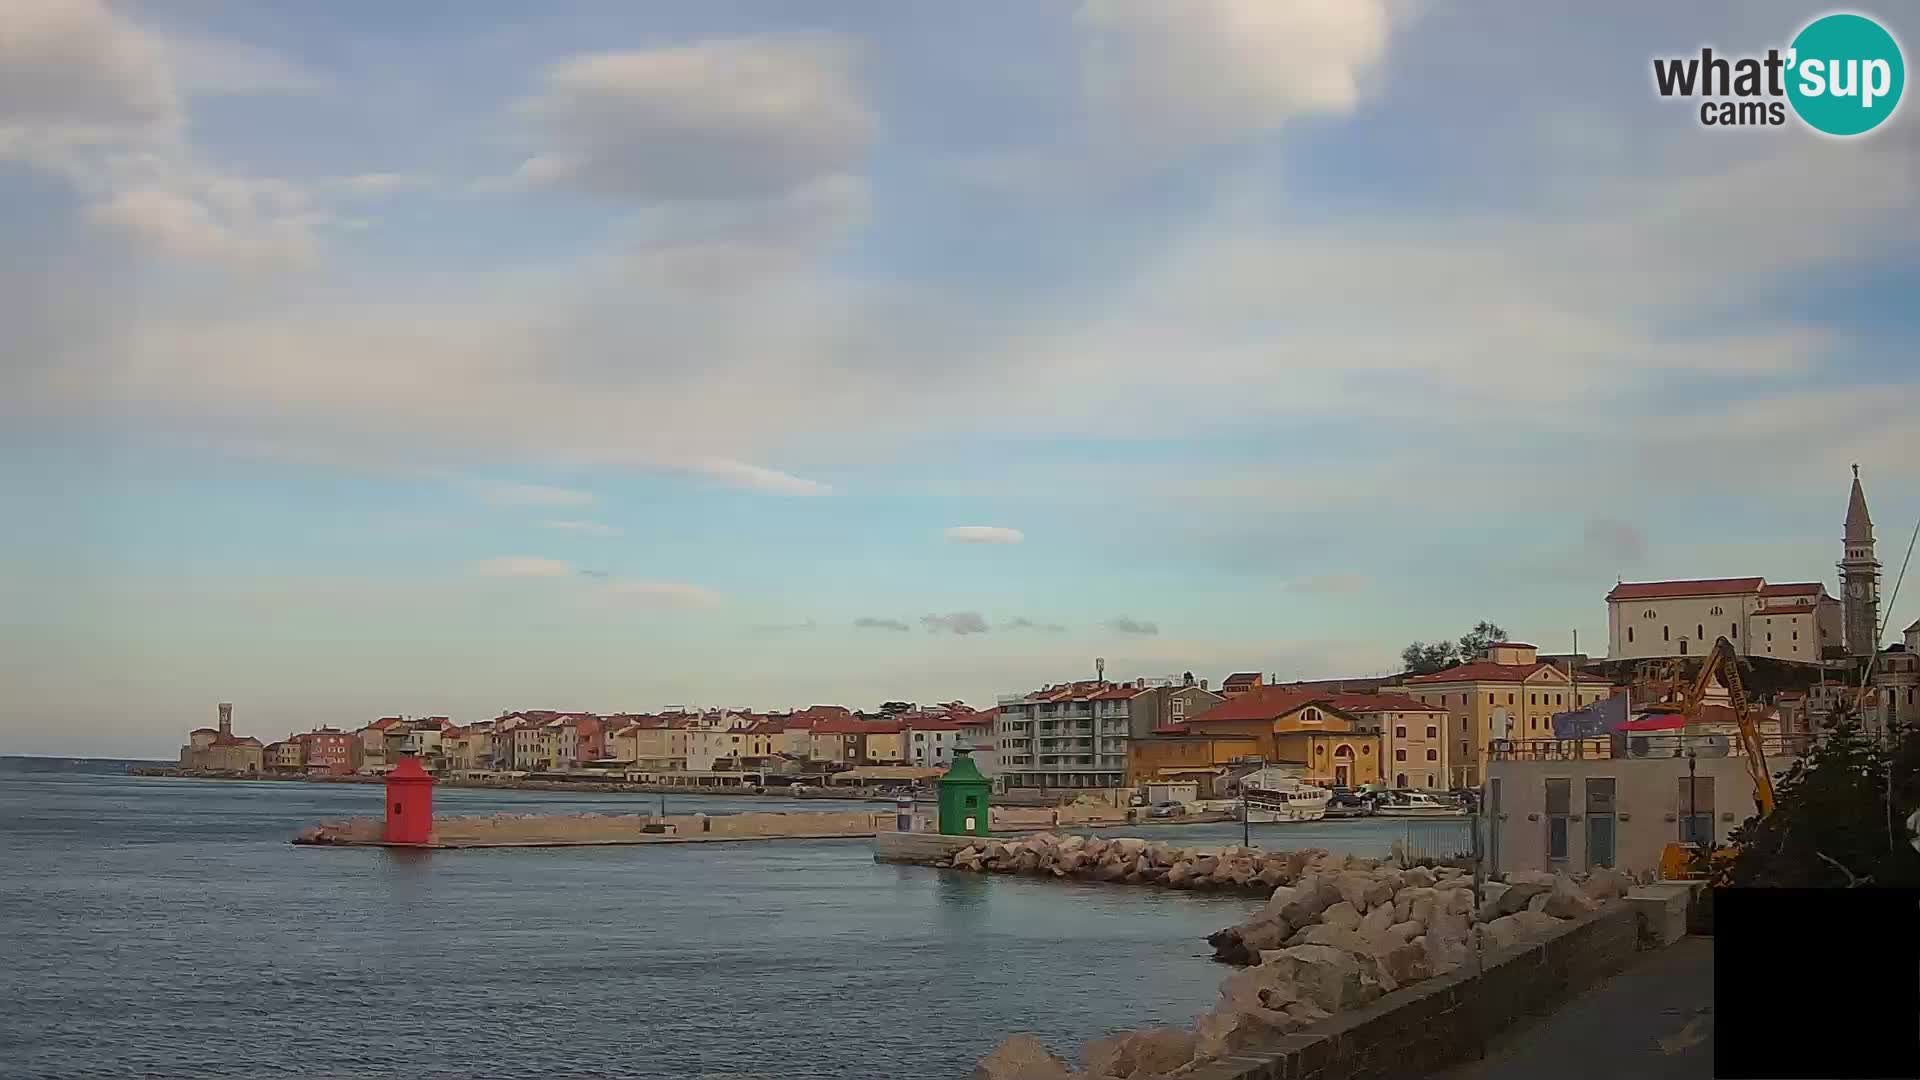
<point>1649,619</point>
<point>1069,736</point>
<point>930,743</point>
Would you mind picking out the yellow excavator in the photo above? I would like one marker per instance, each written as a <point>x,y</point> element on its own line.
<point>1681,861</point>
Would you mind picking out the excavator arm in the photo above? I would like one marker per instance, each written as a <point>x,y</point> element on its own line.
<point>1725,663</point>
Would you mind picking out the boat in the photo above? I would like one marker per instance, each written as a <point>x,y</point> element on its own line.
<point>1286,799</point>
<point>1416,804</point>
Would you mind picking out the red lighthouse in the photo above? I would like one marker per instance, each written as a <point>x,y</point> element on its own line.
<point>409,804</point>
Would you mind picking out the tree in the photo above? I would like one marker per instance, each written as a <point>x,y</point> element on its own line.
<point>895,708</point>
<point>1839,816</point>
<point>1474,643</point>
<point>1425,658</point>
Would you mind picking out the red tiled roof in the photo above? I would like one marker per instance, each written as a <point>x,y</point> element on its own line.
<point>384,723</point>
<point>1483,671</point>
<point>1665,590</point>
<point>840,725</point>
<point>1261,703</point>
<point>1241,677</point>
<point>1364,703</point>
<point>1794,588</point>
<point>1118,693</point>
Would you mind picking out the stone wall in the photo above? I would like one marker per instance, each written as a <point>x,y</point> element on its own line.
<point>530,829</point>
<point>1429,1025</point>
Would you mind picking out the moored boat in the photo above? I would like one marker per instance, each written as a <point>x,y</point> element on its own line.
<point>1416,804</point>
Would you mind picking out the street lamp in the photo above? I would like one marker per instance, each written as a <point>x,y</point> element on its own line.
<point>1693,799</point>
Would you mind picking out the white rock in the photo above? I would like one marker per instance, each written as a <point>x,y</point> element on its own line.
<point>1341,915</point>
<point>1021,1057</point>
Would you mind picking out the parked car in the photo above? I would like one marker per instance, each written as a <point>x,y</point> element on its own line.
<point>1167,809</point>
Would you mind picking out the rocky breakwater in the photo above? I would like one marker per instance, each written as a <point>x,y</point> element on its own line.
<point>1132,861</point>
<point>1337,936</point>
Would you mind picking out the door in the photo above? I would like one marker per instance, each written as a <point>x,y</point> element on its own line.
<point>1342,776</point>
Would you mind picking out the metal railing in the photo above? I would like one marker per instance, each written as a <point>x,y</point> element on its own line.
<point>1651,745</point>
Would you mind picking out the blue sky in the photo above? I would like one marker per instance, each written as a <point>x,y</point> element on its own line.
<point>450,358</point>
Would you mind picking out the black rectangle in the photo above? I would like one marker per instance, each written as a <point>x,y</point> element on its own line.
<point>1841,966</point>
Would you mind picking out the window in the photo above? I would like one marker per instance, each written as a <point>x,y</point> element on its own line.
<point>1629,635</point>
<point>1179,707</point>
<point>1400,781</point>
<point>1429,779</point>
<point>1665,635</point>
<point>1400,732</point>
<point>1463,748</point>
<point>1533,699</point>
<point>1434,755</point>
<point>919,737</point>
<point>1366,748</point>
<point>1433,732</point>
<point>1489,699</point>
<point>1559,801</point>
<point>1699,631</point>
<point>1647,614</point>
<point>1717,610</point>
<point>1600,809</point>
<point>1683,646</point>
<point>1796,635</point>
<point>1311,716</point>
<point>1769,637</point>
<point>1509,699</point>
<point>1400,755</point>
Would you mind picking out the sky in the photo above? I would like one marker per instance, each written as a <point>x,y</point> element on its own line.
<point>438,358</point>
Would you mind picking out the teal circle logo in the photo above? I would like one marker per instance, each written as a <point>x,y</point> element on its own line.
<point>1846,74</point>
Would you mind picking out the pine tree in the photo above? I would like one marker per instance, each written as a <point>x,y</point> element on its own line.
<point>1833,824</point>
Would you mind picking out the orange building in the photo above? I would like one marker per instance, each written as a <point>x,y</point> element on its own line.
<point>1274,724</point>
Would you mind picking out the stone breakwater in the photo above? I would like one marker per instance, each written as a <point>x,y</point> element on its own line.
<point>1334,935</point>
<point>555,830</point>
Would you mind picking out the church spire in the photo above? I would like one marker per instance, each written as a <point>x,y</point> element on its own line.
<point>1859,523</point>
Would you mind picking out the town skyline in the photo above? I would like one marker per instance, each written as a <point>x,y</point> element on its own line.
<point>366,360</point>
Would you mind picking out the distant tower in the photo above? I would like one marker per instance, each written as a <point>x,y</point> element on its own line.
<point>1860,577</point>
<point>1100,668</point>
<point>226,719</point>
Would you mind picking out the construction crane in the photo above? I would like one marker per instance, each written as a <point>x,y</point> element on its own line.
<point>1678,861</point>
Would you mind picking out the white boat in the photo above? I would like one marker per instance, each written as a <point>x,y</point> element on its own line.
<point>1416,804</point>
<point>1286,799</point>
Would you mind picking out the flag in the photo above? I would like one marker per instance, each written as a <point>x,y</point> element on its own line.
<point>1593,722</point>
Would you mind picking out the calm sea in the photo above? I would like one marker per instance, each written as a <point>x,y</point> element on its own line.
<point>163,927</point>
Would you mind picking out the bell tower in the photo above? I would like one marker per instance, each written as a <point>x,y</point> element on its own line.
<point>1860,576</point>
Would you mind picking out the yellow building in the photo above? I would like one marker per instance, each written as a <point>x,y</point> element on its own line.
<point>885,743</point>
<point>285,756</point>
<point>1332,746</point>
<point>1508,694</point>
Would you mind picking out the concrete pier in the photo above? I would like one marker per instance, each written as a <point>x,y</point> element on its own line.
<point>598,830</point>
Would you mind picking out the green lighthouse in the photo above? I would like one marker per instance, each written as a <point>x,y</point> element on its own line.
<point>963,799</point>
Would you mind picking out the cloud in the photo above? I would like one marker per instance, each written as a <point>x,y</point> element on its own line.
<point>91,98</point>
<point>1615,541</point>
<point>536,495</point>
<point>1209,70</point>
<point>1024,623</point>
<point>739,474</point>
<point>71,71</point>
<point>210,66</point>
<point>867,622</point>
<point>741,118</point>
<point>1121,624</point>
<point>590,528</point>
<point>776,629</point>
<point>984,534</point>
<point>190,228</point>
<point>519,566</point>
<point>1331,583</point>
<point>380,183</point>
<point>599,574</point>
<point>959,622</point>
<point>665,594</point>
<point>709,247</point>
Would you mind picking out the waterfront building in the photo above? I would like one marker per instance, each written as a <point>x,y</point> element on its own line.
<point>285,756</point>
<point>326,751</point>
<point>1073,735</point>
<point>840,740</point>
<point>218,749</point>
<point>1413,736</point>
<point>1171,701</point>
<point>1508,693</point>
<point>930,742</point>
<point>1332,747</point>
<point>1241,682</point>
<point>886,742</point>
